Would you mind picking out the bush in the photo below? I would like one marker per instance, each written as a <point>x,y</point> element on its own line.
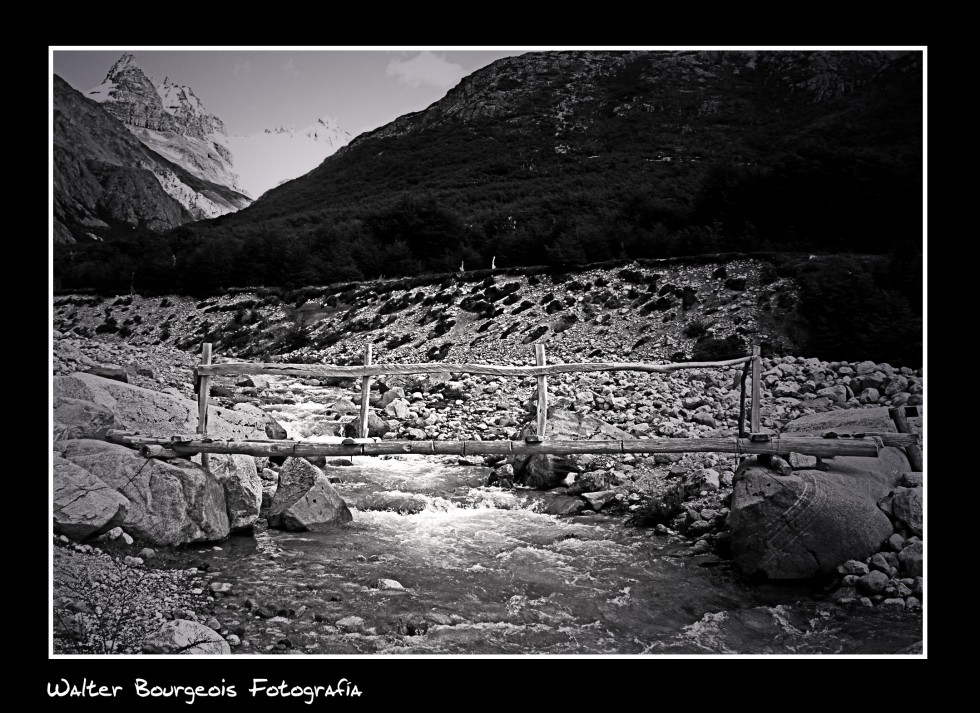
<point>695,329</point>
<point>714,349</point>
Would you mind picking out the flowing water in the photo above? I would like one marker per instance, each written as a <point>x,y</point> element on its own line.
<point>484,572</point>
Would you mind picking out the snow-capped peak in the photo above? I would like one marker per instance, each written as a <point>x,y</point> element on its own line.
<point>126,62</point>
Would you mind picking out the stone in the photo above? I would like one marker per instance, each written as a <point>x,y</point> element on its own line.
<point>395,392</point>
<point>913,603</point>
<point>893,603</point>
<point>547,470</point>
<point>242,487</point>
<point>869,396</point>
<point>147,553</point>
<point>878,562</point>
<point>182,636</point>
<point>389,584</point>
<point>704,479</point>
<point>220,587</point>
<point>398,408</point>
<point>912,479</point>
<point>896,542</point>
<point>853,567</point>
<point>154,413</point>
<point>910,559</point>
<point>76,418</point>
<point>861,420</point>
<point>377,427</point>
<point>837,394</point>
<point>805,524</point>
<point>563,505</point>
<point>907,508</point>
<point>132,561</point>
<point>305,500</point>
<point>254,381</point>
<point>268,495</point>
<point>599,499</point>
<point>865,367</point>
<point>873,582</point>
<point>171,502</point>
<point>799,461</point>
<point>350,623</point>
<point>667,458</point>
<point>84,505</point>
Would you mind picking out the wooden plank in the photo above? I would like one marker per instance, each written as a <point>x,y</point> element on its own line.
<point>539,360</point>
<point>362,430</point>
<point>754,424</point>
<point>354,372</point>
<point>913,452</point>
<point>826,447</point>
<point>203,394</point>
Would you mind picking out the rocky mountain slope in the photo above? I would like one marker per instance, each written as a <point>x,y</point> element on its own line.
<point>579,156</point>
<point>170,119</point>
<point>105,179</point>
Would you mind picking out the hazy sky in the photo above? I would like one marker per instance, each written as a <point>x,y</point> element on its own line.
<point>256,89</point>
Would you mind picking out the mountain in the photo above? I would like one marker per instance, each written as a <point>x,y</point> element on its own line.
<point>269,158</point>
<point>564,157</point>
<point>170,119</point>
<point>105,179</point>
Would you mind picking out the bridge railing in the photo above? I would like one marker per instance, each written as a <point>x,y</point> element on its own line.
<point>748,441</point>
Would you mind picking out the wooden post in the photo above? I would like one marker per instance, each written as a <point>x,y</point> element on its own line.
<point>365,394</point>
<point>539,360</point>
<point>914,453</point>
<point>204,391</point>
<point>756,389</point>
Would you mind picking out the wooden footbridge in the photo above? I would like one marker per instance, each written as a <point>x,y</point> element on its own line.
<point>748,441</point>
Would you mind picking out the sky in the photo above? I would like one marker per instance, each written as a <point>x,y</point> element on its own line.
<point>254,89</point>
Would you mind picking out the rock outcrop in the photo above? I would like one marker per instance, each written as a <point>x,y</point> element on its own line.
<point>169,502</point>
<point>809,522</point>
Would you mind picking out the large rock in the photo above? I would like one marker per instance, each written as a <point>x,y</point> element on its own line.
<point>860,420</point>
<point>182,636</point>
<point>242,485</point>
<point>548,471</point>
<point>377,427</point>
<point>305,499</point>
<point>170,502</point>
<point>806,524</point>
<point>76,418</point>
<point>154,413</point>
<point>83,504</point>
<point>907,508</point>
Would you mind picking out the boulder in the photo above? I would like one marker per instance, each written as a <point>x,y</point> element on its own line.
<point>76,418</point>
<point>397,408</point>
<point>547,470</point>
<point>171,502</point>
<point>377,427</point>
<point>807,523</point>
<point>83,504</point>
<point>910,559</point>
<point>600,499</point>
<point>305,499</point>
<point>182,636</point>
<point>110,372</point>
<point>242,486</point>
<point>321,507</point>
<point>154,413</point>
<point>907,508</point>
<point>859,420</point>
<point>255,381</point>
